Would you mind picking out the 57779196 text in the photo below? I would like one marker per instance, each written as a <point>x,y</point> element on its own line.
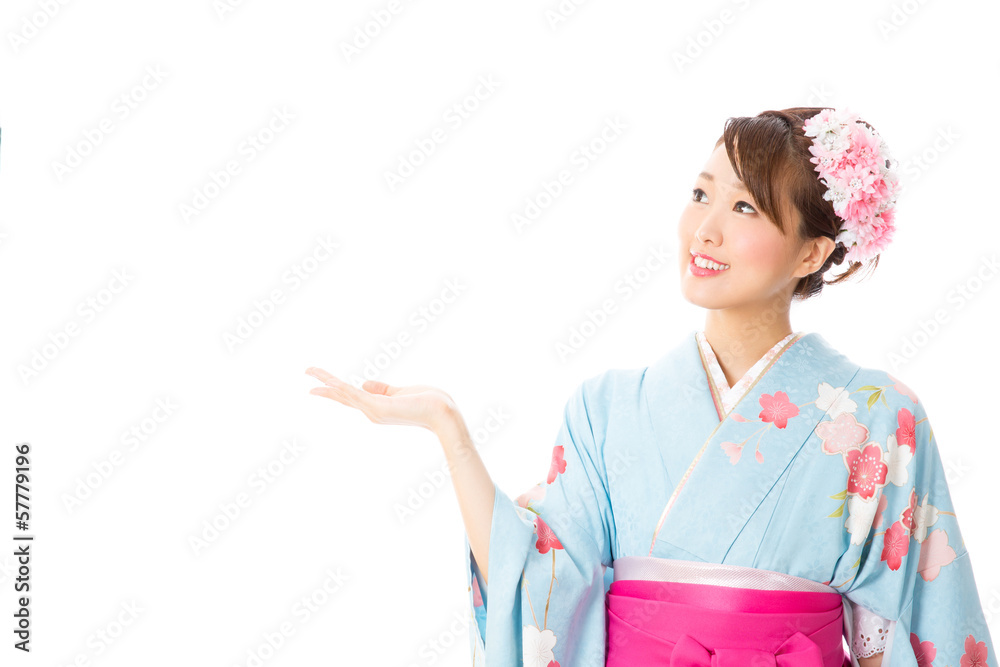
<point>22,519</point>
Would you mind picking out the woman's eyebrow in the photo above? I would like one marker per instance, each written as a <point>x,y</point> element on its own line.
<point>735,185</point>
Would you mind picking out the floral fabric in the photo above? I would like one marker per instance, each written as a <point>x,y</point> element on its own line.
<point>869,630</point>
<point>845,487</point>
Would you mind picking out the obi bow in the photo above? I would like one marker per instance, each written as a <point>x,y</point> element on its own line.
<point>796,651</point>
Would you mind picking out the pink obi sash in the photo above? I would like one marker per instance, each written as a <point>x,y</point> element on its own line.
<point>689,614</point>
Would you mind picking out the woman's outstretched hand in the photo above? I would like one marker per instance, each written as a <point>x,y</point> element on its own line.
<point>420,405</point>
<point>416,405</point>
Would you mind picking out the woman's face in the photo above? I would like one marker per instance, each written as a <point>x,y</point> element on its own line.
<point>722,221</point>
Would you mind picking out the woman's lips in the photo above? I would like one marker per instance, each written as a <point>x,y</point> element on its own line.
<point>700,271</point>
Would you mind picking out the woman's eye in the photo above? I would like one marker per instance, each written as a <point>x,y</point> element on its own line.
<point>698,193</point>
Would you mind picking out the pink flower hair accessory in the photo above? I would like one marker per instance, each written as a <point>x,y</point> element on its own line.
<point>861,178</point>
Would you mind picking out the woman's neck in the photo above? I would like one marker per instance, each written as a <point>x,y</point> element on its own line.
<point>739,343</point>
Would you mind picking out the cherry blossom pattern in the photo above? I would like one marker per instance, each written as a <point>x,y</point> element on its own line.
<point>861,515</point>
<point>776,411</point>
<point>546,537</point>
<point>924,652</point>
<point>906,429</point>
<point>777,408</point>
<point>924,516</point>
<point>896,544</point>
<point>538,645</point>
<point>534,494</point>
<point>841,434</point>
<point>558,463</point>
<point>868,471</point>
<point>834,401</point>
<point>935,553</point>
<point>899,457</point>
<point>547,541</point>
<point>903,389</point>
<point>906,516</point>
<point>975,653</point>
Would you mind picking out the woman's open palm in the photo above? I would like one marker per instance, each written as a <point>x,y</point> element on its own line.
<point>416,405</point>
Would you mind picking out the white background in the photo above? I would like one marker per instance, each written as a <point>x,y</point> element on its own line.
<point>923,75</point>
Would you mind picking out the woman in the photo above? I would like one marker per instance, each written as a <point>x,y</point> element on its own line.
<point>752,497</point>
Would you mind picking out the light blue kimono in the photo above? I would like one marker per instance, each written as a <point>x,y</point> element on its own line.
<point>823,470</point>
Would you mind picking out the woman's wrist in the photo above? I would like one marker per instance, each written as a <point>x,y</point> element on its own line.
<point>454,435</point>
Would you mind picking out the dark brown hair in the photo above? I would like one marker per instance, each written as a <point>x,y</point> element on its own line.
<point>774,166</point>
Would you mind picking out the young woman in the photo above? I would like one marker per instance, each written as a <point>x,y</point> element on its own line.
<point>753,496</point>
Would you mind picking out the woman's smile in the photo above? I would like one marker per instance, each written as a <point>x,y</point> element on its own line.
<point>703,265</point>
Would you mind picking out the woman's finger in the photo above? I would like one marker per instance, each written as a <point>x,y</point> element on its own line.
<point>341,391</point>
<point>376,387</point>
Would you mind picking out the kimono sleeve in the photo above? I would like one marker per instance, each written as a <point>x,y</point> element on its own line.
<point>915,569</point>
<point>549,550</point>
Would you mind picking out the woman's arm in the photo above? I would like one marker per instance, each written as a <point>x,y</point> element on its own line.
<point>473,485</point>
<point>434,410</point>
<point>874,661</point>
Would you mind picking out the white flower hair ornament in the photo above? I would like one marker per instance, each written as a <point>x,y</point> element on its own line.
<point>860,175</point>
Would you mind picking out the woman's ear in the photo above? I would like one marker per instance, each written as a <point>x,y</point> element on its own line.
<point>817,251</point>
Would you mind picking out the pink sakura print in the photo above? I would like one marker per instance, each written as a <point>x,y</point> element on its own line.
<point>924,652</point>
<point>975,653</point>
<point>535,493</point>
<point>546,538</point>
<point>895,545</point>
<point>906,431</point>
<point>547,541</point>
<point>841,434</point>
<point>868,470</point>
<point>903,389</point>
<point>777,408</point>
<point>935,553</point>
<point>558,463</point>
